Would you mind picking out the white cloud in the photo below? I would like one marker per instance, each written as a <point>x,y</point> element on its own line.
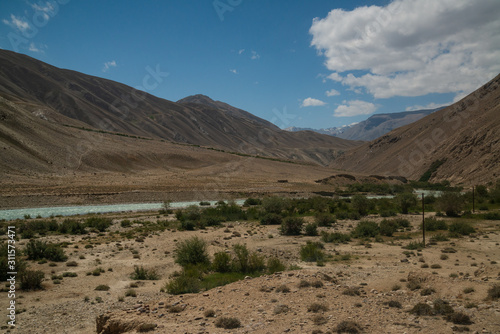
<point>34,48</point>
<point>241,51</point>
<point>429,106</point>
<point>412,47</point>
<point>255,55</point>
<point>17,23</point>
<point>310,102</point>
<point>354,108</point>
<point>233,71</point>
<point>108,65</point>
<point>332,92</point>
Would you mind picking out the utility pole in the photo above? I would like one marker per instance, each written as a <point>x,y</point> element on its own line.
<point>473,205</point>
<point>423,219</point>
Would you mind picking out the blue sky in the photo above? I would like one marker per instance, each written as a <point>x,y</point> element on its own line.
<point>317,63</point>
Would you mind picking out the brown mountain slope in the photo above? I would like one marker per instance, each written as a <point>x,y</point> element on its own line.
<point>111,106</point>
<point>465,137</point>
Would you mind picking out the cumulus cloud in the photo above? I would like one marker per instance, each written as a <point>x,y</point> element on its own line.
<point>233,71</point>
<point>108,65</point>
<point>354,108</point>
<point>428,106</point>
<point>241,51</point>
<point>332,92</point>
<point>34,48</point>
<point>412,47</point>
<point>17,23</point>
<point>255,55</point>
<point>310,102</point>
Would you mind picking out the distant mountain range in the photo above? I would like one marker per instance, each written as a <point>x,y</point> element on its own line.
<point>459,143</point>
<point>373,127</point>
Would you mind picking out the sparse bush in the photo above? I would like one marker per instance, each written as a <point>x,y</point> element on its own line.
<point>361,204</point>
<point>252,201</point>
<point>227,323</point>
<point>351,291</point>
<point>469,290</point>
<point>348,326</point>
<point>210,313</point>
<point>319,320</point>
<point>102,287</point>
<point>37,250</point>
<point>292,226</point>
<point>221,262</point>
<point>459,318</point>
<point>442,307</point>
<point>325,219</point>
<point>494,292</point>
<point>99,223</point>
<point>388,227</point>
<point>366,229</point>
<point>405,201</point>
<point>451,203</point>
<point>191,251</point>
<point>271,219</point>
<point>422,309</point>
<point>281,308</point>
<point>141,273</point>
<point>130,293</point>
<point>71,264</point>
<point>394,303</point>
<point>184,283</point>
<point>31,280</point>
<point>317,307</point>
<point>427,292</point>
<point>311,252</point>
<point>462,228</point>
<point>414,245</point>
<point>275,204</point>
<point>283,289</point>
<point>335,237</point>
<point>433,224</point>
<point>439,237</point>
<point>274,265</point>
<point>311,229</point>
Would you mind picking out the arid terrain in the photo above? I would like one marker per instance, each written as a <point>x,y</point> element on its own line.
<point>378,272</point>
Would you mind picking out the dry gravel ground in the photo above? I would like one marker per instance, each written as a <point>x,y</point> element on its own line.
<point>375,269</point>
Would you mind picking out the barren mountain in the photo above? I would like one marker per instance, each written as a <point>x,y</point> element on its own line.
<point>460,143</point>
<point>107,105</point>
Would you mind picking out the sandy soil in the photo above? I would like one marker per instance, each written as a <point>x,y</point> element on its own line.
<point>374,268</point>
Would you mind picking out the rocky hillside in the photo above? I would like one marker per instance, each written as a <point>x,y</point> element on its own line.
<point>460,143</point>
<point>92,102</point>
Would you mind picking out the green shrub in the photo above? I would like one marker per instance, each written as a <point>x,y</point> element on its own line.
<point>221,262</point>
<point>361,204</point>
<point>275,204</point>
<point>312,252</point>
<point>274,265</point>
<point>461,227</point>
<point>317,307</point>
<point>388,227</point>
<point>184,283</point>
<point>252,201</point>
<point>20,263</point>
<point>311,229</point>
<point>31,280</point>
<point>335,237</point>
<point>292,226</point>
<point>102,287</point>
<point>439,237</point>
<point>271,219</point>
<point>191,251</point>
<point>325,219</point>
<point>433,224</point>
<point>405,201</point>
<point>37,250</point>
<point>141,273</point>
<point>452,203</point>
<point>99,223</point>
<point>70,226</point>
<point>366,229</point>
<point>442,307</point>
<point>414,245</point>
<point>246,262</point>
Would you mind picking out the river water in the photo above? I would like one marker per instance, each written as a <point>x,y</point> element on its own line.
<point>86,209</point>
